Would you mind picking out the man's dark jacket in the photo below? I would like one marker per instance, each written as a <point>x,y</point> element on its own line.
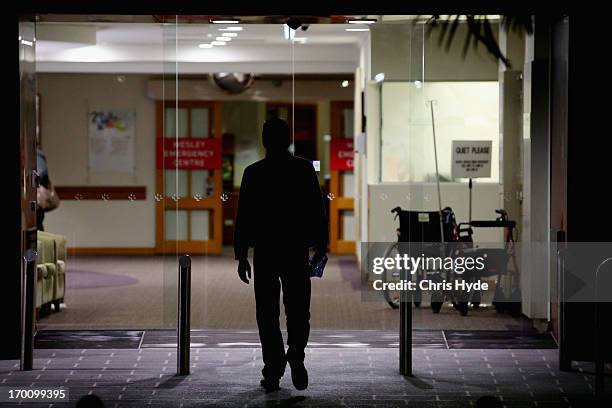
<point>280,206</point>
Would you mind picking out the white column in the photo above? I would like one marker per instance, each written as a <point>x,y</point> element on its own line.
<point>535,234</point>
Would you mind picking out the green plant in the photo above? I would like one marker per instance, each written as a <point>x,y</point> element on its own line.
<point>480,31</point>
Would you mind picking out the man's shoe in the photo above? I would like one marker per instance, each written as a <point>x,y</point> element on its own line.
<point>270,385</point>
<point>299,376</point>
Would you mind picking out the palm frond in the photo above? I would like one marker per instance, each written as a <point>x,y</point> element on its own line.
<point>479,31</point>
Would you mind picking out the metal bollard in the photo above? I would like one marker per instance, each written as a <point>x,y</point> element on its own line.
<point>28,287</point>
<point>184,315</point>
<point>405,335</point>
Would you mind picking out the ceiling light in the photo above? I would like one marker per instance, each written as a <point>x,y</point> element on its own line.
<point>218,43</point>
<point>230,21</point>
<point>223,39</point>
<point>205,45</point>
<point>357,29</point>
<point>362,21</point>
<point>345,83</point>
<point>379,77</point>
<point>231,29</point>
<point>230,34</point>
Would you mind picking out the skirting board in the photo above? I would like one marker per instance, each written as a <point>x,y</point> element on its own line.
<point>111,251</point>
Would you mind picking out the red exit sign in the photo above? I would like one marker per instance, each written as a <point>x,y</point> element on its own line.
<point>341,154</point>
<point>189,153</point>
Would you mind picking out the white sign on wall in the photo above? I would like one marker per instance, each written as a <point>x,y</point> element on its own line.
<point>471,159</point>
<point>111,141</point>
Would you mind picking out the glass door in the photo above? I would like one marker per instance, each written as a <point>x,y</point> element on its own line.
<point>99,262</point>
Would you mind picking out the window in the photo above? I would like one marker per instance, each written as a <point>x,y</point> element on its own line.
<point>462,111</point>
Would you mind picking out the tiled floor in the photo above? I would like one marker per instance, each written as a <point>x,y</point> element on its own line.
<point>357,377</point>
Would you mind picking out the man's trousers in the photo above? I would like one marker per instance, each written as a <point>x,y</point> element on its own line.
<point>276,268</point>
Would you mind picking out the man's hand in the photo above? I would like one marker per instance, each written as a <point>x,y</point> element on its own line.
<point>244,270</point>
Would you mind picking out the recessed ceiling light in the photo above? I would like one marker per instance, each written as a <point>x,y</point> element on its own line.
<point>231,29</point>
<point>205,45</point>
<point>345,83</point>
<point>228,21</point>
<point>380,77</point>
<point>230,34</point>
<point>223,39</point>
<point>362,21</point>
<point>218,43</point>
<point>357,29</point>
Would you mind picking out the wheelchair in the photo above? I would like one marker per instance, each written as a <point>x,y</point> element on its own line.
<point>428,228</point>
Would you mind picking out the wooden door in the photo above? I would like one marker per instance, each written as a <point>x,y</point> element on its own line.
<point>189,202</point>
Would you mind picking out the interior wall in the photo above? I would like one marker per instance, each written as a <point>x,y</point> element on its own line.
<point>396,53</point>
<point>244,119</point>
<point>423,197</point>
<point>466,110</point>
<point>264,90</point>
<point>65,102</point>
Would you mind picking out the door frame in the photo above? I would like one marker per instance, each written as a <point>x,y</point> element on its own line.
<point>337,243</point>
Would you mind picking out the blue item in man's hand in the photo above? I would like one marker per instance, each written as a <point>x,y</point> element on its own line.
<point>316,269</point>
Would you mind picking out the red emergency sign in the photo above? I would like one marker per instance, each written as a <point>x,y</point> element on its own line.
<point>189,153</point>
<point>341,154</point>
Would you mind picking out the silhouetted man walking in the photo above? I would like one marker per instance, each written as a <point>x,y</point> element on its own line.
<point>281,214</point>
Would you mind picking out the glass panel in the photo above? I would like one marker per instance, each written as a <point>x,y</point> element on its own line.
<point>462,111</point>
<point>348,123</point>
<point>200,122</point>
<point>176,221</point>
<point>201,183</point>
<point>242,123</point>
<point>348,225</point>
<point>176,182</point>
<point>175,225</point>
<point>171,127</point>
<point>200,225</point>
<point>94,217</point>
<point>348,184</point>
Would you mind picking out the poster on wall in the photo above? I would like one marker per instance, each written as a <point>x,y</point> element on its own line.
<point>111,141</point>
